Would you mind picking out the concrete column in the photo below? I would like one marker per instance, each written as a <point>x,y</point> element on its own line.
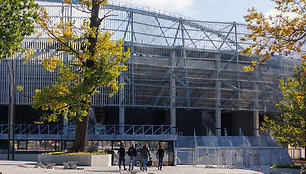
<point>172,91</point>
<point>64,133</point>
<point>92,117</point>
<point>218,96</point>
<point>65,127</point>
<point>121,105</point>
<point>121,115</point>
<point>256,122</point>
<point>256,106</point>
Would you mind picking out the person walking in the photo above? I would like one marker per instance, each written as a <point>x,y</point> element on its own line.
<point>132,153</point>
<point>121,153</point>
<point>160,155</point>
<point>145,153</point>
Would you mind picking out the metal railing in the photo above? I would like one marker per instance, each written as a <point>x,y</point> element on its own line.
<point>131,129</point>
<point>32,129</point>
<point>92,129</point>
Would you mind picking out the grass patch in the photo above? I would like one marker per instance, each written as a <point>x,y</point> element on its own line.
<point>285,166</point>
<point>76,153</point>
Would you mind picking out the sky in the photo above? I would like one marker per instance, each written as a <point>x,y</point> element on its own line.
<point>208,10</point>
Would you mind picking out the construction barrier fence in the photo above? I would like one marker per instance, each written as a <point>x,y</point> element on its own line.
<point>231,157</point>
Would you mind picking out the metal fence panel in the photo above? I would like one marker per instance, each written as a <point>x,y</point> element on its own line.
<point>185,156</point>
<point>231,157</point>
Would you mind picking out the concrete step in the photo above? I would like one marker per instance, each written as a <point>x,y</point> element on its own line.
<point>210,141</point>
<point>256,141</point>
<point>238,141</point>
<point>224,141</point>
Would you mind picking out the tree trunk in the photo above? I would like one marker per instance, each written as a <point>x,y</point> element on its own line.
<point>11,108</point>
<point>94,24</point>
<point>79,144</point>
<point>9,119</point>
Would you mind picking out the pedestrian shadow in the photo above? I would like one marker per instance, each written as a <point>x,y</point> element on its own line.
<point>8,164</point>
<point>103,171</point>
<point>31,163</point>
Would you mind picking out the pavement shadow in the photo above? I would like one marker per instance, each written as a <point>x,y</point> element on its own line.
<point>33,163</point>
<point>101,171</point>
<point>8,164</point>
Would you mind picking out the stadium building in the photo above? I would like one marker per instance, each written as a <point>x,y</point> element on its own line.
<point>185,85</point>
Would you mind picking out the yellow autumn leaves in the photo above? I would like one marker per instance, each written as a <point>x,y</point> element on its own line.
<point>93,61</point>
<point>50,63</point>
<point>280,34</point>
<point>88,2</point>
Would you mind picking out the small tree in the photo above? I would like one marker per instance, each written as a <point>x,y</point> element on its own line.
<point>290,127</point>
<point>284,33</point>
<point>16,21</point>
<point>94,61</point>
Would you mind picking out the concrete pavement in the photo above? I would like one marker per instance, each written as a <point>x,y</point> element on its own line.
<point>25,167</point>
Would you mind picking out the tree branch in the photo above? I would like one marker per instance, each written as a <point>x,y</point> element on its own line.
<point>82,10</point>
<point>106,16</point>
<point>63,43</point>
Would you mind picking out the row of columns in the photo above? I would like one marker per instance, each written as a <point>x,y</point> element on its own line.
<point>218,110</point>
<point>172,94</point>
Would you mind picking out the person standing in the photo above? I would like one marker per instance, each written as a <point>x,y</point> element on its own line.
<point>145,153</point>
<point>160,155</point>
<point>121,153</point>
<point>132,153</point>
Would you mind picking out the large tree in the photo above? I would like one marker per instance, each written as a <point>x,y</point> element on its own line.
<point>94,61</point>
<point>16,21</point>
<point>290,127</point>
<point>283,33</point>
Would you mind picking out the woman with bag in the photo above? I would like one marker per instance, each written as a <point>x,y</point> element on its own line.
<point>145,153</point>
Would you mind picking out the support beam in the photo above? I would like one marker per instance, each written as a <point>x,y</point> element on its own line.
<point>161,29</point>
<point>172,90</point>
<point>121,105</point>
<point>256,122</point>
<point>183,55</point>
<point>65,127</point>
<point>256,106</point>
<point>121,115</point>
<point>237,63</point>
<point>218,96</point>
<point>159,96</point>
<point>132,57</point>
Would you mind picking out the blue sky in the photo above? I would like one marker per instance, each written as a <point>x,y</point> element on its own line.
<point>210,10</point>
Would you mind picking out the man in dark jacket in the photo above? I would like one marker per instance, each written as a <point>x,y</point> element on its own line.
<point>160,155</point>
<point>145,153</point>
<point>132,153</point>
<point>121,153</point>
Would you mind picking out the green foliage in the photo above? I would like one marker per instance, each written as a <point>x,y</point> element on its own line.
<point>289,128</point>
<point>97,64</point>
<point>284,166</point>
<point>16,21</point>
<point>283,34</point>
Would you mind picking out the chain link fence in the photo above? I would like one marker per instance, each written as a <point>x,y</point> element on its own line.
<point>231,157</point>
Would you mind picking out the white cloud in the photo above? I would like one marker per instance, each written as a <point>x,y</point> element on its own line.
<point>274,12</point>
<point>168,5</point>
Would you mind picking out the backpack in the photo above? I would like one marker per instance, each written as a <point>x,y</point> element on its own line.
<point>130,151</point>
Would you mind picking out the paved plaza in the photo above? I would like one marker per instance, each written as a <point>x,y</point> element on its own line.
<point>24,167</point>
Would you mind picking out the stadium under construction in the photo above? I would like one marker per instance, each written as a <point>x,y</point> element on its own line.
<point>185,86</point>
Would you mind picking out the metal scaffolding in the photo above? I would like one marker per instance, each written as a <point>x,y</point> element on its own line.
<point>175,63</point>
